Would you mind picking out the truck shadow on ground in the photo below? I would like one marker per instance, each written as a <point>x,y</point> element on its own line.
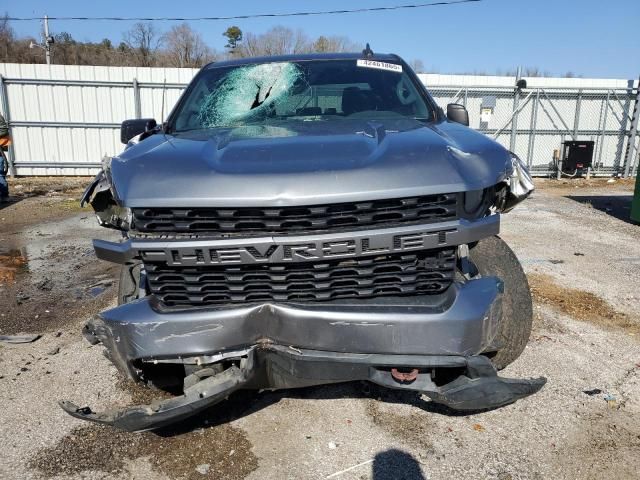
<point>618,206</point>
<point>247,402</point>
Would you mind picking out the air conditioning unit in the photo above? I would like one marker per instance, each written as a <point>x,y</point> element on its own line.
<point>577,156</point>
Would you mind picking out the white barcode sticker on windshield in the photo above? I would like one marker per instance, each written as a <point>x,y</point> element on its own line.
<point>392,67</point>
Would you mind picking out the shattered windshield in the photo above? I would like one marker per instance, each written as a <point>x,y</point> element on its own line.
<point>320,90</point>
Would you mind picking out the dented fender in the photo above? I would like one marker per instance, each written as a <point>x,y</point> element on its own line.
<point>103,197</point>
<point>516,187</point>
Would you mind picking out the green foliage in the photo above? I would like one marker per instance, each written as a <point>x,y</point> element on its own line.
<point>234,36</point>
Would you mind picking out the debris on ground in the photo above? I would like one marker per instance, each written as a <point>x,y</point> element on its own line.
<point>592,392</point>
<point>19,338</point>
<point>611,400</point>
<point>54,351</point>
<point>336,474</point>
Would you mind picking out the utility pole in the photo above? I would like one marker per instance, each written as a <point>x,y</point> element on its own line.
<point>47,43</point>
<point>631,145</point>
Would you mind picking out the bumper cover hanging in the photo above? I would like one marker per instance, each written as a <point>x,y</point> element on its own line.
<point>478,388</point>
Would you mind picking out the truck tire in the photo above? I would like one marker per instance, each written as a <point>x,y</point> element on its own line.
<point>129,284</point>
<point>493,258</point>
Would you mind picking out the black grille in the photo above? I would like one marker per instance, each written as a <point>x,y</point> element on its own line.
<point>295,220</point>
<point>425,272</point>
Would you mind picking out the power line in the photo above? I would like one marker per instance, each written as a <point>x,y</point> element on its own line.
<point>244,17</point>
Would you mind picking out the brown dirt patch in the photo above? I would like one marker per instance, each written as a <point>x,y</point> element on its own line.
<point>22,212</point>
<point>564,186</point>
<point>224,448</point>
<point>57,301</point>
<point>10,265</point>
<point>578,304</point>
<point>413,428</point>
<point>31,186</point>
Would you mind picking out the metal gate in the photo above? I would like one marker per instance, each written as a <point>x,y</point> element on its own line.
<point>536,121</point>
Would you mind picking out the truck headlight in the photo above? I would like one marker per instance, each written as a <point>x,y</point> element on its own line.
<point>115,216</point>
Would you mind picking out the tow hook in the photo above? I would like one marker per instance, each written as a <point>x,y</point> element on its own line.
<point>404,377</point>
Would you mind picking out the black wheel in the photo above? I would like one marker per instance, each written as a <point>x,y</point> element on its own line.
<point>129,285</point>
<point>492,257</point>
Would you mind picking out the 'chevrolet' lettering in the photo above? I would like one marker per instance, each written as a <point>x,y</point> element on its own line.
<point>283,252</point>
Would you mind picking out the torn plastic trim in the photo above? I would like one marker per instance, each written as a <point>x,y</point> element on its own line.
<point>104,200</point>
<point>478,388</point>
<point>160,413</point>
<point>516,187</point>
<point>202,359</point>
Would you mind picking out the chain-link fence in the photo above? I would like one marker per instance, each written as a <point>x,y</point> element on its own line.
<point>536,121</point>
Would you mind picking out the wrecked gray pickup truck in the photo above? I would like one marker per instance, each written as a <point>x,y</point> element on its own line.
<point>305,220</point>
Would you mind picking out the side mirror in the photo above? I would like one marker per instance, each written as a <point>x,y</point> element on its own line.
<point>457,113</point>
<point>131,128</point>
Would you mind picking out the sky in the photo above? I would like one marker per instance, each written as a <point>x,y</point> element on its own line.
<point>592,38</point>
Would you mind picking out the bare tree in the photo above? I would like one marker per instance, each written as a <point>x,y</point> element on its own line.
<point>333,44</point>
<point>276,41</point>
<point>282,40</point>
<point>143,40</point>
<point>145,46</point>
<point>185,47</point>
<point>6,37</point>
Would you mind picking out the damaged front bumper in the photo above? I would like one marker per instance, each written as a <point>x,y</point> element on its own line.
<point>430,344</point>
<point>477,387</point>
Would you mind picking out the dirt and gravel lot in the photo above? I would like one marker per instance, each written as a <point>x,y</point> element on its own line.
<point>583,260</point>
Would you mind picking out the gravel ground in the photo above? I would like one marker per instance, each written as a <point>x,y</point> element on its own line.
<point>572,235</point>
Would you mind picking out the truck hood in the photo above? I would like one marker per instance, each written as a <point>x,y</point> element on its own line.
<point>305,163</point>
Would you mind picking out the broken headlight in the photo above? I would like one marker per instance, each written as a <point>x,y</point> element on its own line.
<point>102,198</point>
<point>115,216</point>
<point>516,187</point>
<point>520,181</point>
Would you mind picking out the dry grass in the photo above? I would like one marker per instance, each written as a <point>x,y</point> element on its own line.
<point>572,185</point>
<point>36,186</point>
<point>580,305</point>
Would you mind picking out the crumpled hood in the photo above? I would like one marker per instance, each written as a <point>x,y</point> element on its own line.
<point>309,163</point>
